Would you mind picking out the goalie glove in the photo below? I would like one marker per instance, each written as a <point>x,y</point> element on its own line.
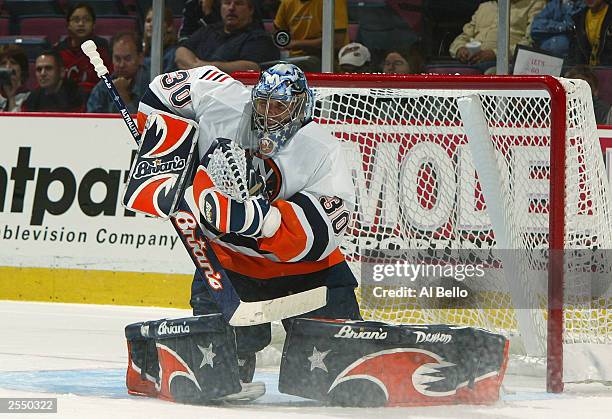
<point>254,217</point>
<point>231,170</point>
<point>222,191</point>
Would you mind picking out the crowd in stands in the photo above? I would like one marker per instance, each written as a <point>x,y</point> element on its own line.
<point>46,70</point>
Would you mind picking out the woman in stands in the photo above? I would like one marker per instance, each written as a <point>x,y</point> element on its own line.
<point>169,40</point>
<point>14,68</point>
<point>81,21</point>
<point>404,60</point>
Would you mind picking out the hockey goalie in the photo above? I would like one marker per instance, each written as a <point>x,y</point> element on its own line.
<point>274,196</point>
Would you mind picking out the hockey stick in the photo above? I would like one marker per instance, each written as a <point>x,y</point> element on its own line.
<point>234,310</point>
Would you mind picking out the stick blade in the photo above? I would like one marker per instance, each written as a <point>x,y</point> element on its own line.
<point>259,312</point>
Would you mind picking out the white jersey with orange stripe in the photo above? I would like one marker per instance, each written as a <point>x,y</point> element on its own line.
<point>205,95</point>
<point>310,184</point>
<point>308,180</point>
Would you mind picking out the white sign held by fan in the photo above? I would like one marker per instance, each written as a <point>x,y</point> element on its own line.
<point>534,62</point>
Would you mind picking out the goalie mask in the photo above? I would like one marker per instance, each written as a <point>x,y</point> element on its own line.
<point>281,104</point>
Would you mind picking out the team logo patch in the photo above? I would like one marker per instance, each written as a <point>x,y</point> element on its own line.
<point>266,146</point>
<point>415,371</point>
<point>269,171</point>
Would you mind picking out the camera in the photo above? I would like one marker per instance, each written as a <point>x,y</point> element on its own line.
<point>5,76</point>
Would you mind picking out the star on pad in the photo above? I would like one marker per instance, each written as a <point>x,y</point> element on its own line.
<point>316,359</point>
<point>208,356</point>
<point>157,162</point>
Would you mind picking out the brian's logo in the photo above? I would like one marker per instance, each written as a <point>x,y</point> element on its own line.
<point>347,332</point>
<point>172,329</point>
<point>208,212</point>
<point>146,168</point>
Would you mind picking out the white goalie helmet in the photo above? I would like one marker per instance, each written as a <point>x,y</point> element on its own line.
<point>281,104</point>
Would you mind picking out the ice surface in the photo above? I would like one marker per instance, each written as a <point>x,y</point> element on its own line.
<point>78,354</point>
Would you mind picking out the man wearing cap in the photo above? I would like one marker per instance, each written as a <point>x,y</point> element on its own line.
<point>354,58</point>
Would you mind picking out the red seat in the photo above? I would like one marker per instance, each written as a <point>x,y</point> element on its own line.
<point>4,26</point>
<point>53,27</point>
<point>178,21</point>
<point>409,11</point>
<point>352,31</point>
<point>109,26</point>
<point>604,76</point>
<point>268,25</point>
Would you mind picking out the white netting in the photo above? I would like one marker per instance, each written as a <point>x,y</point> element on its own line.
<point>417,188</point>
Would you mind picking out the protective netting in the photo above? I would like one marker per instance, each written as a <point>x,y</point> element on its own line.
<point>417,188</point>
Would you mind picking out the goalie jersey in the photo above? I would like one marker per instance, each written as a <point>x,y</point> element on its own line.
<point>308,180</point>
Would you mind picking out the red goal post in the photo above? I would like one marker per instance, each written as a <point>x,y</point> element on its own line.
<point>553,95</point>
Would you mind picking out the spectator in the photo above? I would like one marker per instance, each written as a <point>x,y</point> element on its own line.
<point>303,19</point>
<point>354,58</point>
<point>584,72</point>
<point>237,43</point>
<point>55,93</point>
<point>404,61</point>
<point>81,20</point>
<point>169,40</point>
<point>483,29</point>
<point>552,27</point>
<point>201,13</point>
<point>592,43</point>
<point>198,14</point>
<point>13,91</point>
<point>130,76</point>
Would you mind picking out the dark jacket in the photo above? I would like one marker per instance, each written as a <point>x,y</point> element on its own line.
<point>101,102</point>
<point>213,44</point>
<point>69,98</point>
<point>194,18</point>
<point>601,108</point>
<point>581,49</point>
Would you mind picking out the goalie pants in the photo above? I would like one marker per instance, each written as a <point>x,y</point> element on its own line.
<point>341,301</point>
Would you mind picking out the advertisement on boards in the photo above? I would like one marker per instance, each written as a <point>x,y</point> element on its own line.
<point>61,183</point>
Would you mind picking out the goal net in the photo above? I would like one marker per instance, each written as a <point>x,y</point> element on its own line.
<point>502,173</point>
